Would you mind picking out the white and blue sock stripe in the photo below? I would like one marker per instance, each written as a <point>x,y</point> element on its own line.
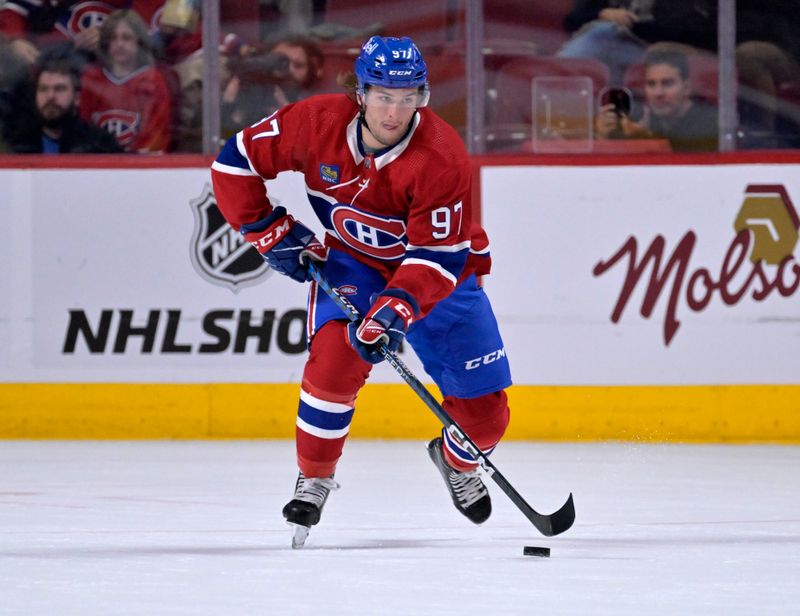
<point>328,420</point>
<point>459,452</point>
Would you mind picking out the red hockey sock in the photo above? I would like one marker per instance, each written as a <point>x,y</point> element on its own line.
<point>484,419</point>
<point>333,375</point>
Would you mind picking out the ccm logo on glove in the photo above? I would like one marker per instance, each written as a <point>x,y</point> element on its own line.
<point>272,235</point>
<point>285,243</point>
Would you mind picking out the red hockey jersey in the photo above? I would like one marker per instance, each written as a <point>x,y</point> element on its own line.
<point>135,109</point>
<point>404,211</point>
<point>70,18</point>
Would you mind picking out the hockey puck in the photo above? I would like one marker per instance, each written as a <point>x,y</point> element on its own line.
<point>532,550</point>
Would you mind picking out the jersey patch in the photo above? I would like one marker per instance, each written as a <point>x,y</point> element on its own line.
<point>329,173</point>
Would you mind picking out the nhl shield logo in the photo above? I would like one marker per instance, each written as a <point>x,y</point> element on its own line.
<point>219,253</point>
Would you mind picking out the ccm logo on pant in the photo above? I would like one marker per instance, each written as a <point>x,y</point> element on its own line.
<point>485,359</point>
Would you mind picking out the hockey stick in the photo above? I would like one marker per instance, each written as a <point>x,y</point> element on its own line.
<point>549,525</point>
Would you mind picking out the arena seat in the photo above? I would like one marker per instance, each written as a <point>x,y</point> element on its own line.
<point>525,23</point>
<point>338,59</point>
<point>426,21</point>
<point>511,113</point>
<point>514,82</point>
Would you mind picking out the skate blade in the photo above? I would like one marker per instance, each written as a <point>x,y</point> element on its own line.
<point>299,536</point>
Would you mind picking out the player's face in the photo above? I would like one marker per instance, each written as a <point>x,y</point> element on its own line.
<point>666,92</point>
<point>388,112</point>
<point>123,46</point>
<point>55,96</point>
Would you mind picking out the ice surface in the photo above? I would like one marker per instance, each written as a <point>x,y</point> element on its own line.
<point>95,528</point>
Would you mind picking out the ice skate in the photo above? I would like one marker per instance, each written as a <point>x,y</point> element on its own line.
<point>305,509</point>
<point>467,490</point>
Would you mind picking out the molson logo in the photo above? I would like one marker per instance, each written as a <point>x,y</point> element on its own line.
<point>766,231</point>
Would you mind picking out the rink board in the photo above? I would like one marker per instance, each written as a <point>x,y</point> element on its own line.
<point>713,414</point>
<point>113,326</point>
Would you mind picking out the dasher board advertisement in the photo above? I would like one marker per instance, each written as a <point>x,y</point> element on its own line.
<point>132,275</point>
<point>646,274</point>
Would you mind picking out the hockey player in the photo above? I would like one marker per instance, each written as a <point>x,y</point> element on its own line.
<point>389,181</point>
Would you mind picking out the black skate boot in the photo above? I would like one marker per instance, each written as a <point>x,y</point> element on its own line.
<point>469,494</point>
<point>305,509</point>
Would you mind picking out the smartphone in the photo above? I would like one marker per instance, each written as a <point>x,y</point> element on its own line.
<point>619,97</point>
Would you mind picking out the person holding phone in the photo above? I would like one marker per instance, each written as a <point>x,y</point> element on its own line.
<point>669,112</point>
<point>617,32</point>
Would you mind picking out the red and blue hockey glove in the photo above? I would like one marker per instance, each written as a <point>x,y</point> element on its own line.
<point>285,244</point>
<point>387,321</point>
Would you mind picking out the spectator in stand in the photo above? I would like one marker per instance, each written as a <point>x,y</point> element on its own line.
<point>178,34</point>
<point>305,62</point>
<point>267,78</point>
<point>189,128</point>
<point>36,24</point>
<point>767,76</point>
<point>14,78</point>
<point>126,94</point>
<point>669,111</point>
<point>54,126</point>
<point>616,32</point>
<point>768,68</point>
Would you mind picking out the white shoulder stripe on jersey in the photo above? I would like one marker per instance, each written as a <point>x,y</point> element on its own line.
<point>18,9</point>
<point>442,272</point>
<point>484,251</point>
<point>316,193</point>
<point>455,248</point>
<point>324,405</point>
<point>218,166</point>
<point>352,140</point>
<point>243,152</point>
<point>321,432</point>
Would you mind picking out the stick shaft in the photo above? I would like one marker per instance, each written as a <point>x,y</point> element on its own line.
<point>548,525</point>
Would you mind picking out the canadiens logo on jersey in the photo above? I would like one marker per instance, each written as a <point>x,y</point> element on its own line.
<point>123,124</point>
<point>85,15</point>
<point>377,236</point>
<point>219,253</point>
<point>329,173</point>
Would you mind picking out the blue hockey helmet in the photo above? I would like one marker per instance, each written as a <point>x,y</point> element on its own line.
<point>392,63</point>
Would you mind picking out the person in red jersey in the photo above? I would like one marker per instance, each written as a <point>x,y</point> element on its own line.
<point>33,24</point>
<point>126,94</point>
<point>389,181</point>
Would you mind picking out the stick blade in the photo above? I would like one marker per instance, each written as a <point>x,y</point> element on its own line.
<point>557,522</point>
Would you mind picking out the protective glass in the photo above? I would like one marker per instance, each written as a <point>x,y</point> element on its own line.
<point>403,99</point>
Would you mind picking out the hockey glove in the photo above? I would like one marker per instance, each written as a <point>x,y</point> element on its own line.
<point>285,244</point>
<point>387,321</point>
